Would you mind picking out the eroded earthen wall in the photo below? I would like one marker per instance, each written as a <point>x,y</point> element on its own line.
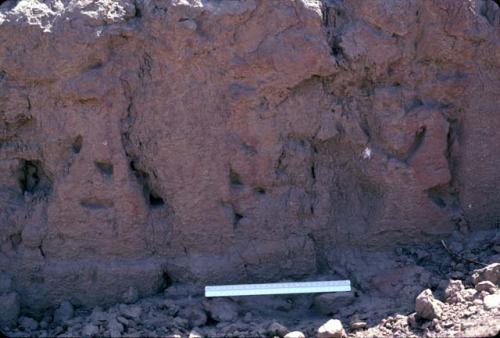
<point>224,141</point>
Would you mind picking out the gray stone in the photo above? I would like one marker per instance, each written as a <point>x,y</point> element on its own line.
<point>277,329</point>
<point>98,315</point>
<point>64,312</point>
<point>28,323</point>
<point>358,325</point>
<point>426,306</point>
<point>170,307</point>
<point>489,273</point>
<point>115,328</point>
<point>10,308</point>
<point>485,286</point>
<point>122,320</point>
<point>331,329</point>
<point>453,291</point>
<point>221,310</point>
<point>195,315</point>
<point>90,330</point>
<point>131,311</point>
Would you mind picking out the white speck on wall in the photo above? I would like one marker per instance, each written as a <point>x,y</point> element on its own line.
<point>367,153</point>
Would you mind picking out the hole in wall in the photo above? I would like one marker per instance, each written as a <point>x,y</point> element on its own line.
<point>76,146</point>
<point>260,190</point>
<point>106,168</point>
<point>155,200</point>
<point>32,177</point>
<point>138,12</point>
<point>16,240</point>
<point>337,50</point>
<point>436,197</point>
<point>235,179</point>
<point>167,280</point>
<point>237,218</point>
<point>413,104</point>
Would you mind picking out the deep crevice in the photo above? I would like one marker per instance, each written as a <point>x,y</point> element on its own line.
<point>330,16</point>
<point>42,253</point>
<point>138,12</point>
<point>153,198</point>
<point>419,139</point>
<point>437,195</point>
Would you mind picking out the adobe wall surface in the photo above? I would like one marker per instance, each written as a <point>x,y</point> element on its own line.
<point>225,141</point>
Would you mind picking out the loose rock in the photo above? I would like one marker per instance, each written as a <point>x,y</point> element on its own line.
<point>426,306</point>
<point>331,329</point>
<point>295,334</point>
<point>358,325</point>
<point>195,316</point>
<point>28,323</point>
<point>170,307</point>
<point>131,311</point>
<point>492,301</point>
<point>276,329</point>
<point>485,286</point>
<point>98,315</point>
<point>115,328</point>
<point>489,273</point>
<point>454,291</point>
<point>64,312</point>
<point>221,310</point>
<point>90,330</point>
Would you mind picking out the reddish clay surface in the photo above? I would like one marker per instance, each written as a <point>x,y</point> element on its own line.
<point>226,141</point>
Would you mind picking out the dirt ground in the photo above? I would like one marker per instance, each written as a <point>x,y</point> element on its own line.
<point>461,299</point>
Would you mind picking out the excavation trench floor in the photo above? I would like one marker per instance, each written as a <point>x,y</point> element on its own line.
<point>382,303</point>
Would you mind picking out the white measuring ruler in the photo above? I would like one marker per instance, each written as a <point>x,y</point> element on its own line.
<point>277,288</point>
